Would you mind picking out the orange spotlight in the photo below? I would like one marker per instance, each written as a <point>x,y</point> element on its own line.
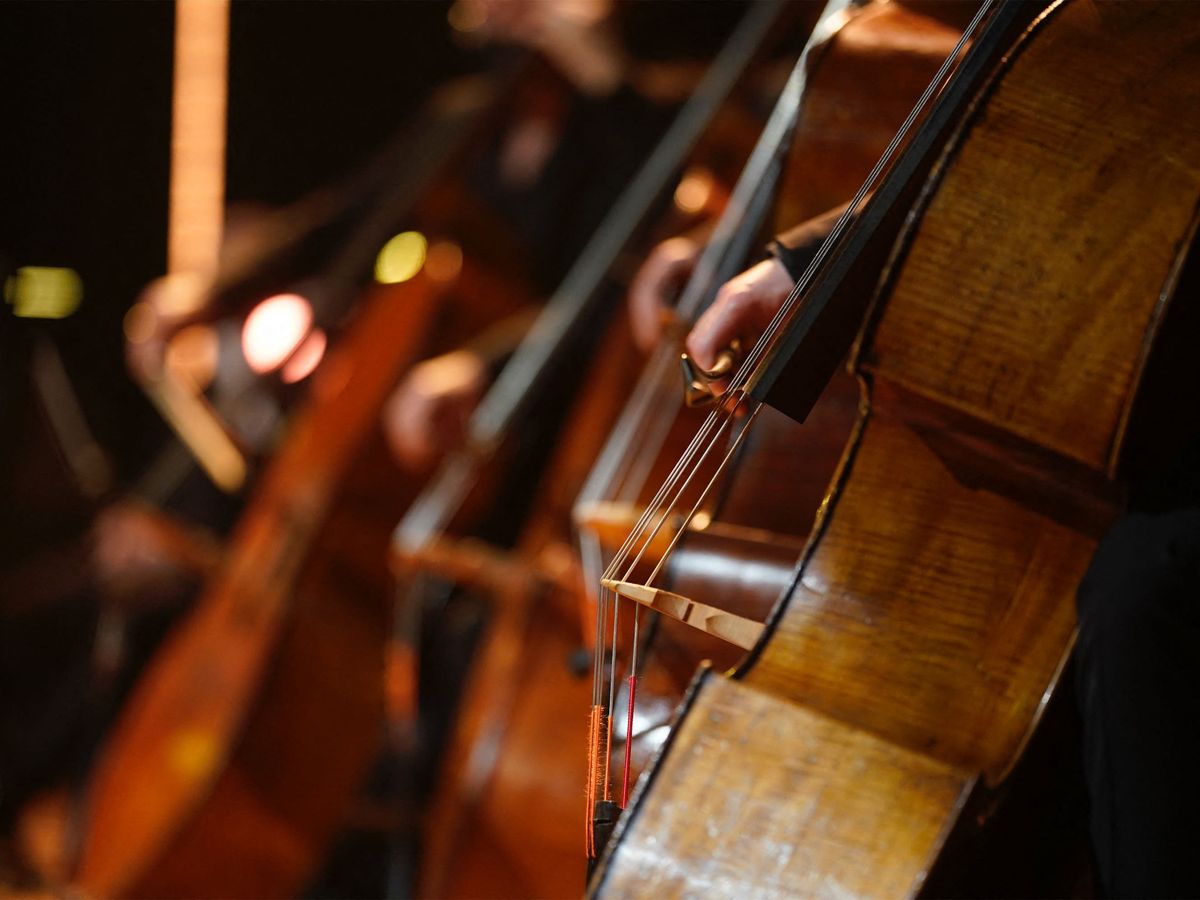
<point>694,190</point>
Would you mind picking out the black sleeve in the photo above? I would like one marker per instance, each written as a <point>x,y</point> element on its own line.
<point>797,246</point>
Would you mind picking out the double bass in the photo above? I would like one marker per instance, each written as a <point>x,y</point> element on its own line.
<point>1031,243</point>
<point>852,87</point>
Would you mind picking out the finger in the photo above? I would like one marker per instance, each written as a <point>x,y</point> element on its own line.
<point>647,301</point>
<point>645,304</point>
<point>405,428</point>
<point>716,329</point>
<point>742,310</point>
<point>652,292</point>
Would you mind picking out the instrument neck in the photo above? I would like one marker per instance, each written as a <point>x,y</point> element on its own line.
<point>817,327</point>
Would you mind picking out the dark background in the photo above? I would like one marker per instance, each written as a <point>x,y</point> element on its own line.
<point>85,89</point>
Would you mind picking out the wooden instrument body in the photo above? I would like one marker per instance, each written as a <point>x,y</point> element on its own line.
<point>862,83</point>
<point>932,611</point>
<point>503,819</point>
<point>254,724</point>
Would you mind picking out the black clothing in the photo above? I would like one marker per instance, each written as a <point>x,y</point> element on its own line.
<point>1138,661</point>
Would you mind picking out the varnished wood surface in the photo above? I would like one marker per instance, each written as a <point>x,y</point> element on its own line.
<point>505,821</point>
<point>934,607</point>
<point>864,84</point>
<point>931,613</point>
<point>812,807</point>
<point>1032,315</point>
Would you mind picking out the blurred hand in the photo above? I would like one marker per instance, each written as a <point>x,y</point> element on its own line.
<point>652,292</point>
<point>574,35</point>
<point>427,414</point>
<point>165,306</point>
<point>140,556</point>
<point>743,308</point>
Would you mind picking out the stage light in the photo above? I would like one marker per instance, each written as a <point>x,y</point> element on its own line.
<point>694,190</point>
<point>401,258</point>
<point>44,292</point>
<point>274,329</point>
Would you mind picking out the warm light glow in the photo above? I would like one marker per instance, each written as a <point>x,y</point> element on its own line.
<point>274,329</point>
<point>694,190</point>
<point>401,258</point>
<point>444,261</point>
<point>192,353</point>
<point>466,16</point>
<point>305,360</point>
<point>42,292</point>
<point>448,374</point>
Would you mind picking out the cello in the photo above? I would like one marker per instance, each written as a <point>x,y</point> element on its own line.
<point>1007,370</point>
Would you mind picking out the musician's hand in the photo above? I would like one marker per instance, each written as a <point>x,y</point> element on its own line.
<point>574,35</point>
<point>652,291</point>
<point>743,308</point>
<point>165,306</point>
<point>427,414</point>
<point>141,556</point>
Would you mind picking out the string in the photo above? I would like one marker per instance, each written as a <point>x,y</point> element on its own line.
<point>752,192</point>
<point>591,553</point>
<point>799,290</point>
<point>633,660</point>
<point>699,445</point>
<point>676,482</point>
<point>612,682</point>
<point>724,464</point>
<point>883,165</point>
<point>734,230</point>
<point>679,489</point>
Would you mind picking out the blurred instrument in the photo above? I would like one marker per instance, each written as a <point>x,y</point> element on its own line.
<point>240,750</point>
<point>503,729</point>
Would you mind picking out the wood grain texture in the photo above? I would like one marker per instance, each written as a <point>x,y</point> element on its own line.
<point>813,808</point>
<point>931,613</point>
<point>863,85</point>
<point>1032,315</point>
